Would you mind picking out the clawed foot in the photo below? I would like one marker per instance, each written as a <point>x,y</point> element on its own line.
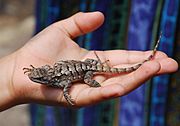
<point>69,99</point>
<point>27,70</point>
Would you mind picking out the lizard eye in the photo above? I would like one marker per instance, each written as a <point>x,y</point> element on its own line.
<point>46,67</point>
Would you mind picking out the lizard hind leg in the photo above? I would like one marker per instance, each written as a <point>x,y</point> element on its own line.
<point>88,80</point>
<point>107,62</point>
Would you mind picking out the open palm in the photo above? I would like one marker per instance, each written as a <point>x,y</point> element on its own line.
<point>55,43</point>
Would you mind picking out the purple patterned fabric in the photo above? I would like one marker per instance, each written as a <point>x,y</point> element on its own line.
<point>161,83</point>
<point>132,109</point>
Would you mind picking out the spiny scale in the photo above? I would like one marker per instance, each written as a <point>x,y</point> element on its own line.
<point>63,73</point>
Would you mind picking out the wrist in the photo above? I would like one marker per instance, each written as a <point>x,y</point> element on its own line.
<point>7,94</point>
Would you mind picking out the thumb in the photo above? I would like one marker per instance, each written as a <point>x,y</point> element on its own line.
<point>80,23</point>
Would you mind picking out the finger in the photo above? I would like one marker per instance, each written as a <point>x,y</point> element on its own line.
<point>80,23</point>
<point>138,77</point>
<point>95,95</point>
<point>133,80</point>
<point>168,65</point>
<point>131,57</point>
<point>117,57</point>
<point>122,86</point>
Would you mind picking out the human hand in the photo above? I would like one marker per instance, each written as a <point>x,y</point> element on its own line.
<point>55,43</point>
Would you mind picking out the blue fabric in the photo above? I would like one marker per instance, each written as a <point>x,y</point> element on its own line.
<point>97,37</point>
<point>33,113</point>
<point>140,27</point>
<point>161,83</point>
<point>80,116</point>
<point>53,11</point>
<point>83,8</point>
<point>49,117</point>
<point>94,41</point>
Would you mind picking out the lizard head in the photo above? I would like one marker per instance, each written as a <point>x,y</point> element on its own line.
<point>41,75</point>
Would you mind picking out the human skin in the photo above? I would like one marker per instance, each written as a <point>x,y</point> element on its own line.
<point>56,43</point>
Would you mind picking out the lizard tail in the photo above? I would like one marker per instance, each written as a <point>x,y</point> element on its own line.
<point>131,68</point>
<point>120,70</point>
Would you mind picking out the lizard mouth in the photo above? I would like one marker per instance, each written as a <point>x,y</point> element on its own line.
<point>39,80</point>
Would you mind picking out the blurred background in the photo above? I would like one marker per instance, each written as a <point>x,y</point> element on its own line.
<point>129,24</point>
<point>16,28</point>
<point>16,24</point>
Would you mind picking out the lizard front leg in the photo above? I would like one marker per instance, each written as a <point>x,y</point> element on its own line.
<point>88,80</point>
<point>66,84</point>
